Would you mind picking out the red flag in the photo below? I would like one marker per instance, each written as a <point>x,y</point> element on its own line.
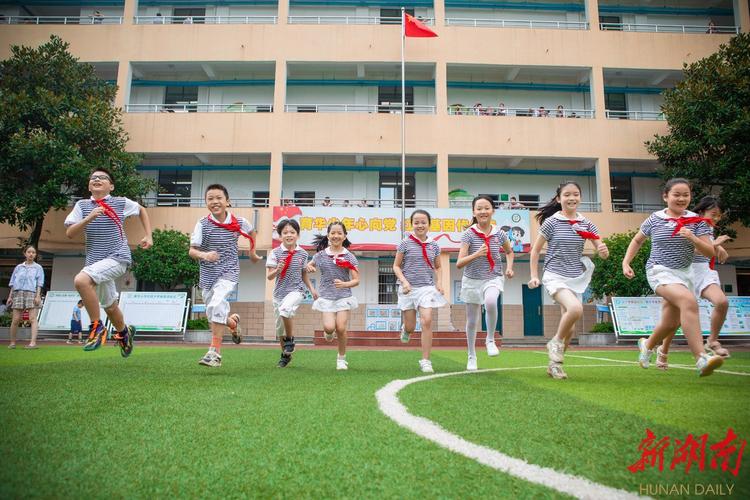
<point>415,28</point>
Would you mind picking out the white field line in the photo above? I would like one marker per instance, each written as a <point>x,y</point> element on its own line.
<point>681,367</point>
<point>576,486</point>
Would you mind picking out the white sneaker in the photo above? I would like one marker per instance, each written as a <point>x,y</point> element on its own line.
<point>211,358</point>
<point>644,357</point>
<point>404,336</point>
<point>426,366</point>
<point>492,349</point>
<point>555,370</point>
<point>707,364</point>
<point>471,364</point>
<point>341,364</point>
<point>555,349</point>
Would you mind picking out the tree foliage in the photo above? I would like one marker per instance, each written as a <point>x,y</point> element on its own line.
<point>167,262</point>
<point>608,279</point>
<point>57,124</point>
<point>709,119</point>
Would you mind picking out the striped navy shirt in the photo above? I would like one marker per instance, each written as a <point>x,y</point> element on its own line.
<point>564,245</point>
<point>292,280</point>
<point>672,252</point>
<point>415,269</point>
<point>699,258</point>
<point>104,238</point>
<point>329,271</point>
<point>208,237</point>
<point>479,269</point>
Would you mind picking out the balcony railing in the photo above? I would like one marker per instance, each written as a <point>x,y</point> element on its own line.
<point>585,206</point>
<point>460,109</point>
<point>205,19</point>
<point>516,23</point>
<point>634,115</point>
<point>198,108</point>
<point>359,108</point>
<point>170,200</point>
<point>354,202</point>
<point>624,206</point>
<point>62,20</point>
<point>670,28</point>
<point>365,20</point>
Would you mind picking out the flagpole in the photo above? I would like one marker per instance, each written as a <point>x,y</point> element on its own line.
<point>403,121</point>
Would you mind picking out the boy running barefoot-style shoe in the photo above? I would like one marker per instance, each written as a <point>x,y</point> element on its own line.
<point>211,358</point>
<point>555,370</point>
<point>97,336</point>
<point>125,340</point>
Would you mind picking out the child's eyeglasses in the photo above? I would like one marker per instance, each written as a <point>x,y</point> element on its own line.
<point>99,177</point>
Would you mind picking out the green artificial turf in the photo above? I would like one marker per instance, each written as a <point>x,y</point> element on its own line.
<point>93,425</point>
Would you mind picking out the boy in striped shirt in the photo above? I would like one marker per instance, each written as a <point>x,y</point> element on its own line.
<point>101,218</point>
<point>214,244</point>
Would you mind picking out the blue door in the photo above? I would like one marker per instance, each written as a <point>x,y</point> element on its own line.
<point>533,323</point>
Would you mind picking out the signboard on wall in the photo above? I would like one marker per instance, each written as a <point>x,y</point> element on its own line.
<point>57,311</point>
<point>638,316</point>
<point>379,228</point>
<point>385,318</point>
<point>155,311</point>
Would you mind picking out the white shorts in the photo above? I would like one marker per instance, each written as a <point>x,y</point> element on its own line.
<point>703,277</point>
<point>287,307</point>
<point>423,296</point>
<point>472,291</point>
<point>215,298</point>
<point>104,273</point>
<point>662,275</point>
<point>553,282</point>
<point>332,306</point>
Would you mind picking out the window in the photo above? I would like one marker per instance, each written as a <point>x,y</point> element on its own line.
<point>260,198</point>
<point>387,283</point>
<point>306,109</point>
<point>389,98</point>
<point>186,96</point>
<point>617,105</point>
<point>622,193</point>
<point>529,200</point>
<point>393,16</point>
<point>304,198</point>
<point>196,15</point>
<point>390,189</point>
<point>175,187</point>
<point>494,197</point>
<point>608,23</point>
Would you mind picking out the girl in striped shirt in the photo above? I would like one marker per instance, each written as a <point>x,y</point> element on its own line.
<point>286,263</point>
<point>566,272</point>
<point>483,279</point>
<point>676,234</point>
<point>417,262</point>
<point>707,285</point>
<point>338,275</point>
<point>214,244</point>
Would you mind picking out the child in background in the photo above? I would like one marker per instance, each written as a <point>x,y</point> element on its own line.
<point>75,323</point>
<point>483,280</point>
<point>675,234</point>
<point>286,263</point>
<point>417,261</point>
<point>101,218</point>
<point>566,272</point>
<point>338,275</point>
<point>214,244</point>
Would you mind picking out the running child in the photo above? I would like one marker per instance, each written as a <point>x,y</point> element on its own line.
<point>102,218</point>
<point>26,285</point>
<point>214,244</point>
<point>338,275</point>
<point>417,261</point>
<point>566,272</point>
<point>286,263</point>
<point>707,285</point>
<point>483,278</point>
<point>675,234</point>
<point>75,323</point>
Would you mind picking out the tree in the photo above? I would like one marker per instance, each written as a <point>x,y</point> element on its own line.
<point>608,279</point>
<point>709,119</point>
<point>167,262</point>
<point>57,124</point>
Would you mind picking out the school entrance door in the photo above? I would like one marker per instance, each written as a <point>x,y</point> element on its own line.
<point>533,322</point>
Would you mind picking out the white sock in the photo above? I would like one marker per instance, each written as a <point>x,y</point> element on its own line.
<point>472,315</point>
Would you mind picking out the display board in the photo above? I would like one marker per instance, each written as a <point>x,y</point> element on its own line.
<point>385,318</point>
<point>155,311</point>
<point>57,311</point>
<point>637,316</point>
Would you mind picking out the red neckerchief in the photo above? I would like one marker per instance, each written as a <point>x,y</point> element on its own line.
<point>340,261</point>
<point>110,212</point>
<point>486,239</point>
<point>235,227</point>
<point>287,261</point>
<point>424,250</point>
<point>684,221</point>
<point>712,263</point>
<point>586,235</point>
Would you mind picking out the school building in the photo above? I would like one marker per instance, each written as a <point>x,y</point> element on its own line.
<point>290,102</point>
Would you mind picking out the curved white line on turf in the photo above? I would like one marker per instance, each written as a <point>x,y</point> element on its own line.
<point>681,367</point>
<point>576,486</point>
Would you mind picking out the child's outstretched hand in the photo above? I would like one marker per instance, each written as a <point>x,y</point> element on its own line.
<point>628,271</point>
<point>602,250</point>
<point>533,283</point>
<point>146,242</point>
